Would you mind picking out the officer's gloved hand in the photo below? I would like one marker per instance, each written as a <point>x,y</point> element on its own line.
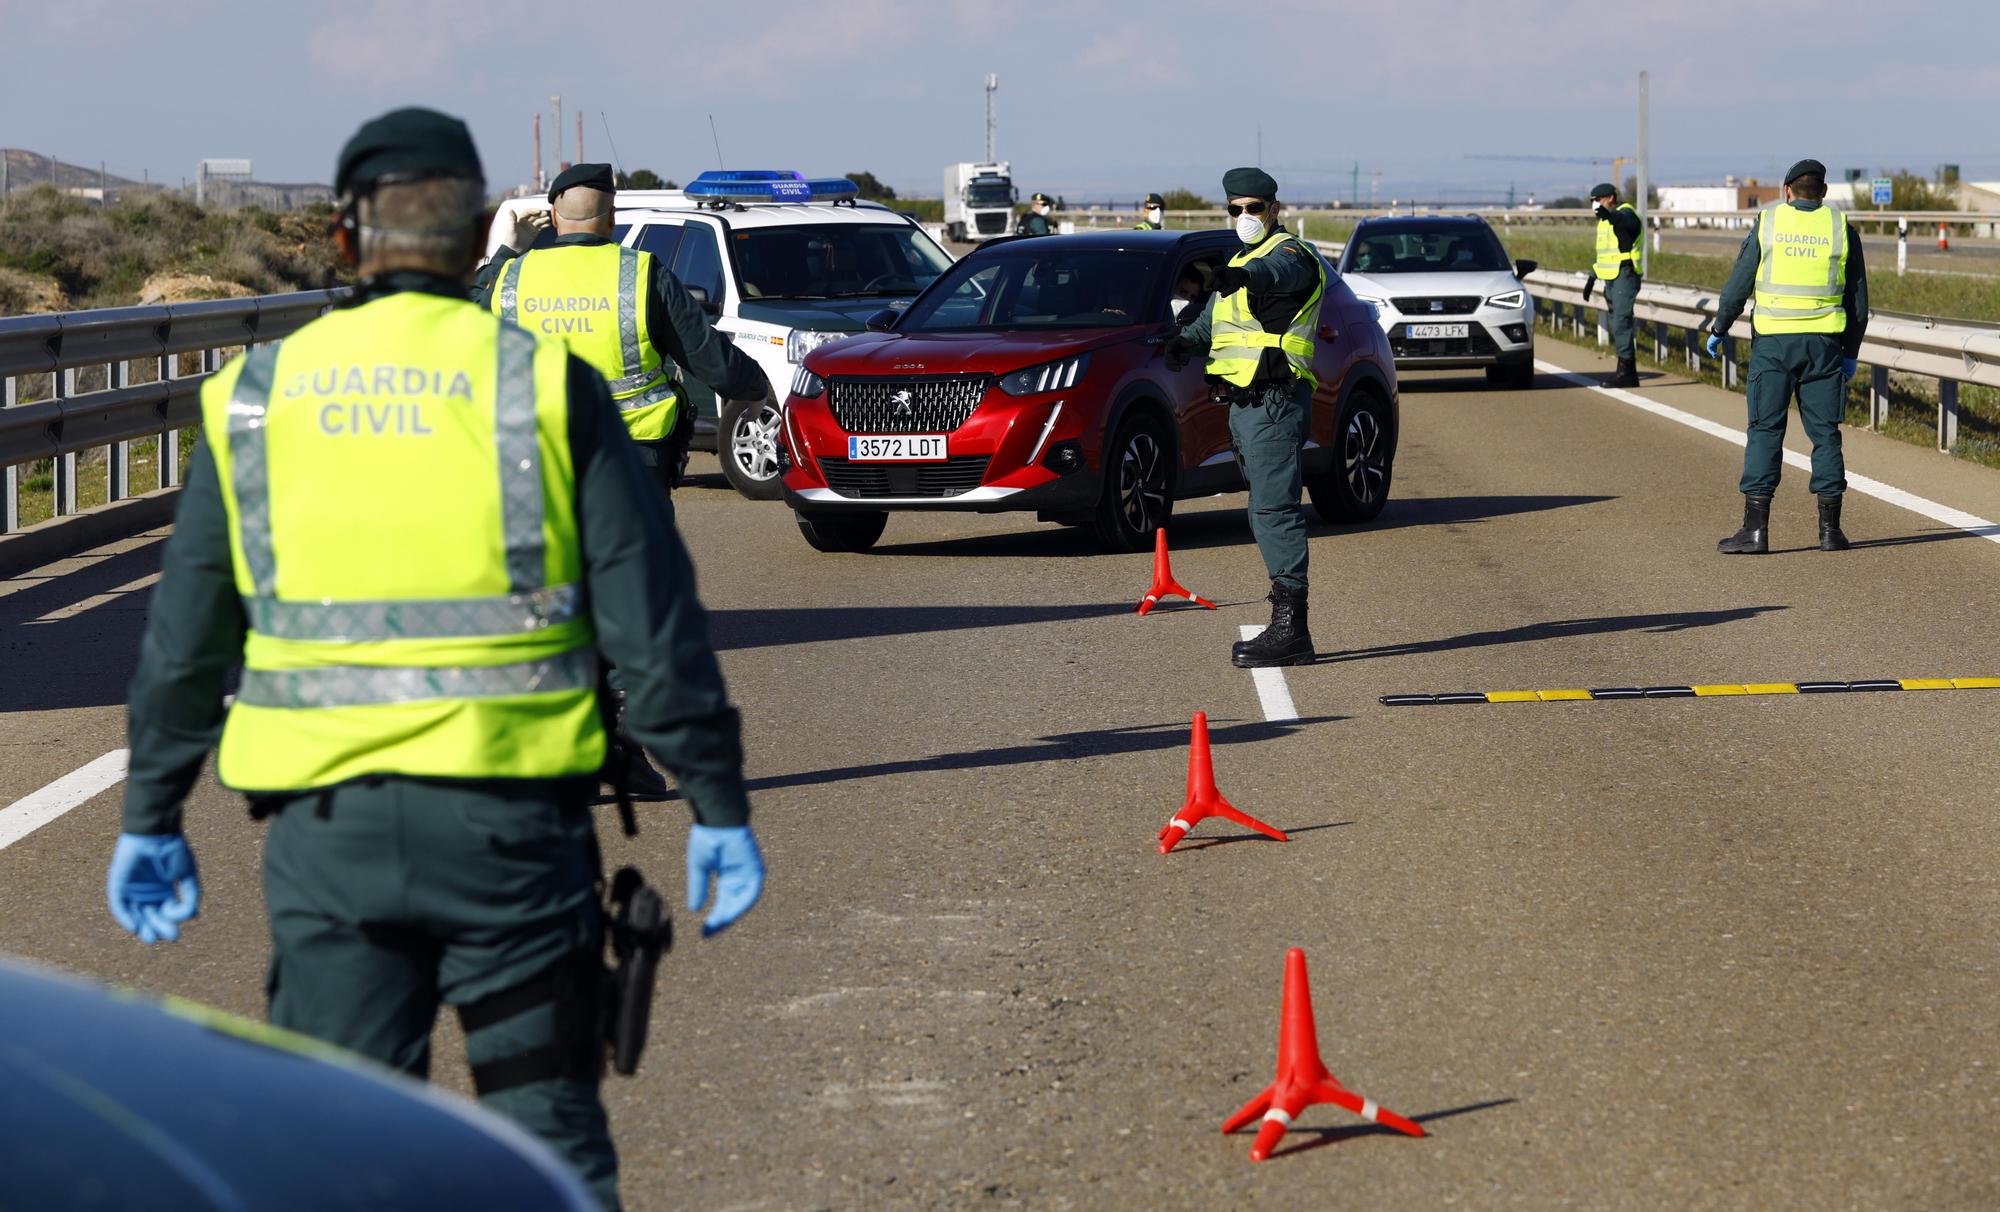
<point>1179,352</point>
<point>1589,284</point>
<point>1714,345</point>
<point>1849,367</point>
<point>1229,279</point>
<point>152,887</point>
<point>729,853</point>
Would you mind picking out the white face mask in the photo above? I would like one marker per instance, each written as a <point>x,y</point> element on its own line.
<point>1155,215</point>
<point>1249,228</point>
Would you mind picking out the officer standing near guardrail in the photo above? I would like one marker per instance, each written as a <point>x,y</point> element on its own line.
<point>1259,329</point>
<point>1803,262</point>
<point>415,528</point>
<point>587,289</point>
<point>1620,244</point>
<point>1035,222</point>
<point>1153,216</point>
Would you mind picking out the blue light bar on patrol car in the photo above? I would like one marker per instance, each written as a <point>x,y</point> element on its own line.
<point>766,185</point>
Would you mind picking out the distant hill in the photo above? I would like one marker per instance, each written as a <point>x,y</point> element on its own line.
<point>26,169</point>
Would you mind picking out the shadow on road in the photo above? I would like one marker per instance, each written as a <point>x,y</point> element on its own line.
<point>775,626</point>
<point>1934,535</point>
<point>1333,1136</point>
<point>1559,629</point>
<point>86,659</point>
<point>1062,747</point>
<point>1207,843</point>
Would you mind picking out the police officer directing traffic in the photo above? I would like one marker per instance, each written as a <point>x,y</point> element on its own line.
<point>416,527</point>
<point>1035,222</point>
<point>623,312</point>
<point>1154,215</point>
<point>1620,245</point>
<point>1803,262</point>
<point>1259,332</point>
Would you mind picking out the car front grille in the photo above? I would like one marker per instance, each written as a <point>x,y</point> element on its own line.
<point>934,404</point>
<point>992,223</point>
<point>1447,305</point>
<point>1479,344</point>
<point>951,478</point>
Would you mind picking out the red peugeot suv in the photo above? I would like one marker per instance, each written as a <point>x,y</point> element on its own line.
<point>1032,376</point>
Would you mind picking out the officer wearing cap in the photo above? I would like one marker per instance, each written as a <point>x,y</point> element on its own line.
<point>623,312</point>
<point>1259,330</point>
<point>1036,221</point>
<point>1620,245</point>
<point>415,528</point>
<point>1803,264</point>
<point>1154,216</point>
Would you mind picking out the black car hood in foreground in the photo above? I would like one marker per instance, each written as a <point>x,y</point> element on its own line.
<point>817,315</point>
<point>108,1100</point>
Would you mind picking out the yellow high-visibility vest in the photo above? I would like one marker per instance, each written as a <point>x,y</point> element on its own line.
<point>401,503</point>
<point>1801,270</point>
<point>593,297</point>
<point>1609,259</point>
<point>1237,341</point>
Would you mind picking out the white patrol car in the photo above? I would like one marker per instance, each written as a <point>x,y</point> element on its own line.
<point>785,264</point>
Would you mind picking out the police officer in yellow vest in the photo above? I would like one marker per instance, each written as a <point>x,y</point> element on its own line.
<point>415,528</point>
<point>1621,239</point>
<point>623,312</point>
<point>1153,216</point>
<point>1803,263</point>
<point>1258,331</point>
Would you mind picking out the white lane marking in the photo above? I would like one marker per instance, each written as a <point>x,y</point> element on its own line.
<point>1275,1116</point>
<point>1271,689</point>
<point>38,808</point>
<point>1972,524</point>
<point>1369,1109</point>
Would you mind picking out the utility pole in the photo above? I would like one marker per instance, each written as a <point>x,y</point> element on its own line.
<point>992,86</point>
<point>1354,186</point>
<point>579,136</point>
<point>1645,211</point>
<point>555,102</point>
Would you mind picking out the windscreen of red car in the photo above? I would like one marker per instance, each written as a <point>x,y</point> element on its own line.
<point>1033,286</point>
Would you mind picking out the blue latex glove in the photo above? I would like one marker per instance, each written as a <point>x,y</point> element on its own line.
<point>730,855</point>
<point>152,887</point>
<point>1714,346</point>
<point>1849,367</point>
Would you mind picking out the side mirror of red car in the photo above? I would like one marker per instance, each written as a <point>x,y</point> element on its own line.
<point>881,321</point>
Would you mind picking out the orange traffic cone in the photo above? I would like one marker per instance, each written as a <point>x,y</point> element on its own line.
<point>1944,239</point>
<point>1203,800</point>
<point>1163,578</point>
<point>1302,1076</point>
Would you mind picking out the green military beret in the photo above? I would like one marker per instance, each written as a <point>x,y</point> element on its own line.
<point>1249,183</point>
<point>1804,167</point>
<point>406,144</point>
<point>1604,189</point>
<point>590,176</point>
<point>1156,200</point>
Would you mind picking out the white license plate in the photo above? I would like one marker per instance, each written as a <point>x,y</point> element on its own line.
<point>897,448</point>
<point>1428,332</point>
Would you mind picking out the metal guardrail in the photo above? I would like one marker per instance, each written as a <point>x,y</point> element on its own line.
<point>1950,351</point>
<point>120,339</point>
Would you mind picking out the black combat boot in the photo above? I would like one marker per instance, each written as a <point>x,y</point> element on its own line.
<point>1755,537</point>
<point>1286,641</point>
<point>625,761</point>
<point>1628,373</point>
<point>1830,536</point>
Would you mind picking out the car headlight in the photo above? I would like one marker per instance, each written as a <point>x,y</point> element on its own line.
<point>1049,376</point>
<point>801,341</point>
<point>1512,299</point>
<point>806,385</point>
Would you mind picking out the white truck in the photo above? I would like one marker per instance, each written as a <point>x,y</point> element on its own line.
<point>978,202</point>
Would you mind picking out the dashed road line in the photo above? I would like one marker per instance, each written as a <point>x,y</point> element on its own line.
<point>1272,693</point>
<point>1972,524</point>
<point>38,808</point>
<point>1711,691</point>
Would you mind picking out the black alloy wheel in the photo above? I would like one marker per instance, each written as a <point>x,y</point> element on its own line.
<point>747,438</point>
<point>855,530</point>
<point>1138,495</point>
<point>1356,487</point>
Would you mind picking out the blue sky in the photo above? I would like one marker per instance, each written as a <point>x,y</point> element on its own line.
<point>1096,99</point>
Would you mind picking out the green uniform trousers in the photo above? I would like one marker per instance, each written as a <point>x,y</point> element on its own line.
<point>389,897</point>
<point>1807,364</point>
<point>1620,293</point>
<point>1269,429</point>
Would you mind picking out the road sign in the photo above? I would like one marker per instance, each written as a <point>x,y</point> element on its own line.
<point>1883,190</point>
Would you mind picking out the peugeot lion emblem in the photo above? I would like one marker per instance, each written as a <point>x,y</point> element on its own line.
<point>903,404</point>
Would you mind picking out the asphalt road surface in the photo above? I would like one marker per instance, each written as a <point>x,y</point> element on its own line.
<point>1977,258</point>
<point>1710,953</point>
